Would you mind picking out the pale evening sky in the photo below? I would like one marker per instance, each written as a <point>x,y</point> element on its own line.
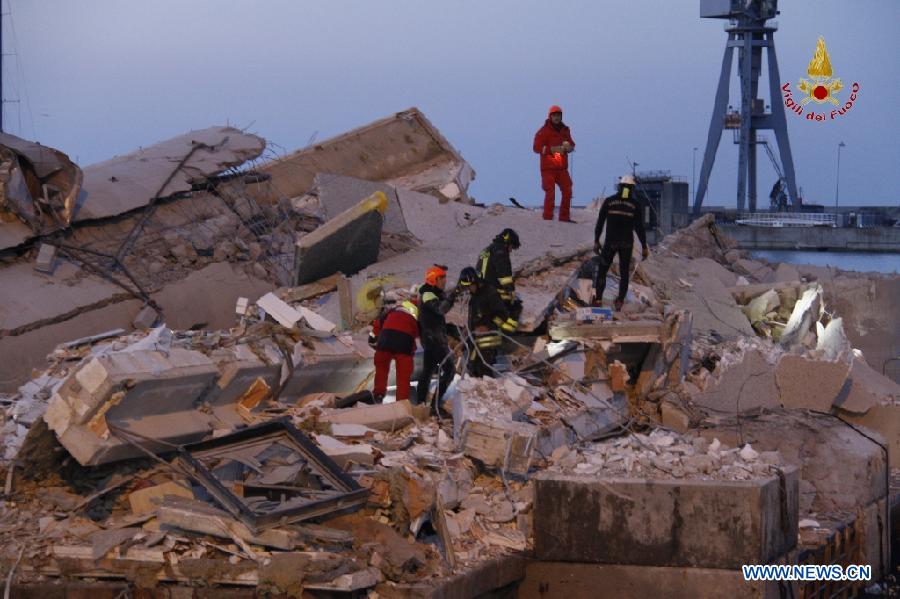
<point>96,78</point>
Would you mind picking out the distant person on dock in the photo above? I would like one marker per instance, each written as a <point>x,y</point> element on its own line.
<point>554,142</point>
<point>623,216</point>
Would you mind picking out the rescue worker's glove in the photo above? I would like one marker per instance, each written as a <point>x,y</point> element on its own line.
<point>557,149</point>
<point>597,247</point>
<point>373,340</point>
<point>645,252</point>
<point>567,147</point>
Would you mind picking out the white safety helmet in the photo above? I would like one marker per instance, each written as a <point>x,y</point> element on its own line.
<point>626,180</point>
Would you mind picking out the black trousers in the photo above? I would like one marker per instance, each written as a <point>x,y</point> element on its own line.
<point>435,358</point>
<point>605,261</point>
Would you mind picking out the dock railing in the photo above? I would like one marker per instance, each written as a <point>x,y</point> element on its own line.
<point>786,219</point>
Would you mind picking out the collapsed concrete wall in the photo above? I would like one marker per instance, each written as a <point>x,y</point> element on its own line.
<point>404,150</point>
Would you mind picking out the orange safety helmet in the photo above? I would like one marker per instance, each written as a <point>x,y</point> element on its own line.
<point>553,109</point>
<point>434,273</point>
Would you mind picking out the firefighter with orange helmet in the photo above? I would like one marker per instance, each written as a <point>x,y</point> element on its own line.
<point>434,304</point>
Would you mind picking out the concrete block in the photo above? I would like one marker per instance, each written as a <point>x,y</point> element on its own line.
<point>331,365</point>
<point>281,311</point>
<point>696,523</point>
<point>615,581</point>
<point>383,417</point>
<point>46,259</point>
<point>338,193</point>
<point>148,393</point>
<point>809,384</point>
<point>741,386</point>
<point>347,243</point>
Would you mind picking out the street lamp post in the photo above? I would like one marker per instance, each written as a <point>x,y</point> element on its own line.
<point>837,184</point>
<point>693,171</point>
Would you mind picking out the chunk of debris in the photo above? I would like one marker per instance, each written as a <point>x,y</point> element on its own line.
<point>133,180</point>
<point>149,499</point>
<point>386,417</point>
<point>347,243</point>
<point>46,258</point>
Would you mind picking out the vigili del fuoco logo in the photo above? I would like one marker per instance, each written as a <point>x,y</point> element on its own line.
<point>821,90</point>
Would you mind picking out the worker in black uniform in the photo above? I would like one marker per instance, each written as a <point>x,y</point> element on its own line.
<point>622,214</point>
<point>487,316</point>
<point>433,307</point>
<point>495,268</point>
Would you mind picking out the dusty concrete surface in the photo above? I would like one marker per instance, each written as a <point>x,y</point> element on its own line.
<point>708,524</point>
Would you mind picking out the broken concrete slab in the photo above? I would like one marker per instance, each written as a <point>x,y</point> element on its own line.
<point>130,181</point>
<point>347,243</point>
<point>344,454</point>
<point>810,384</point>
<point>803,319</point>
<point>691,523</point>
<point>868,388</point>
<point>29,299</point>
<point>699,289</point>
<point>745,383</point>
<point>404,150</point>
<point>427,217</point>
<point>146,393</point>
<point>279,310</point>
<point>341,365</point>
<point>338,193</point>
<point>384,417</point>
<point>23,352</point>
<point>219,285</point>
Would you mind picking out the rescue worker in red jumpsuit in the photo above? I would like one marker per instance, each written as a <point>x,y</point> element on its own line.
<point>396,331</point>
<point>553,142</point>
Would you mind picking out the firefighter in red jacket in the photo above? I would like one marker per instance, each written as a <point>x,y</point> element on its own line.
<point>553,142</point>
<point>396,331</point>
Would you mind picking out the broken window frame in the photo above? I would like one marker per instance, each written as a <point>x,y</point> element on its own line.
<point>351,495</point>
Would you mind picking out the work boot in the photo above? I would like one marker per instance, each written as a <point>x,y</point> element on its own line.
<point>378,397</point>
<point>618,304</point>
<point>351,400</point>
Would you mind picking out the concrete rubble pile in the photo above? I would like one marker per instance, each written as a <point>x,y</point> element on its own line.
<point>730,413</point>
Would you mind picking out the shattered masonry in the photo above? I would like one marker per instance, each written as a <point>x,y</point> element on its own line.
<point>183,361</point>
